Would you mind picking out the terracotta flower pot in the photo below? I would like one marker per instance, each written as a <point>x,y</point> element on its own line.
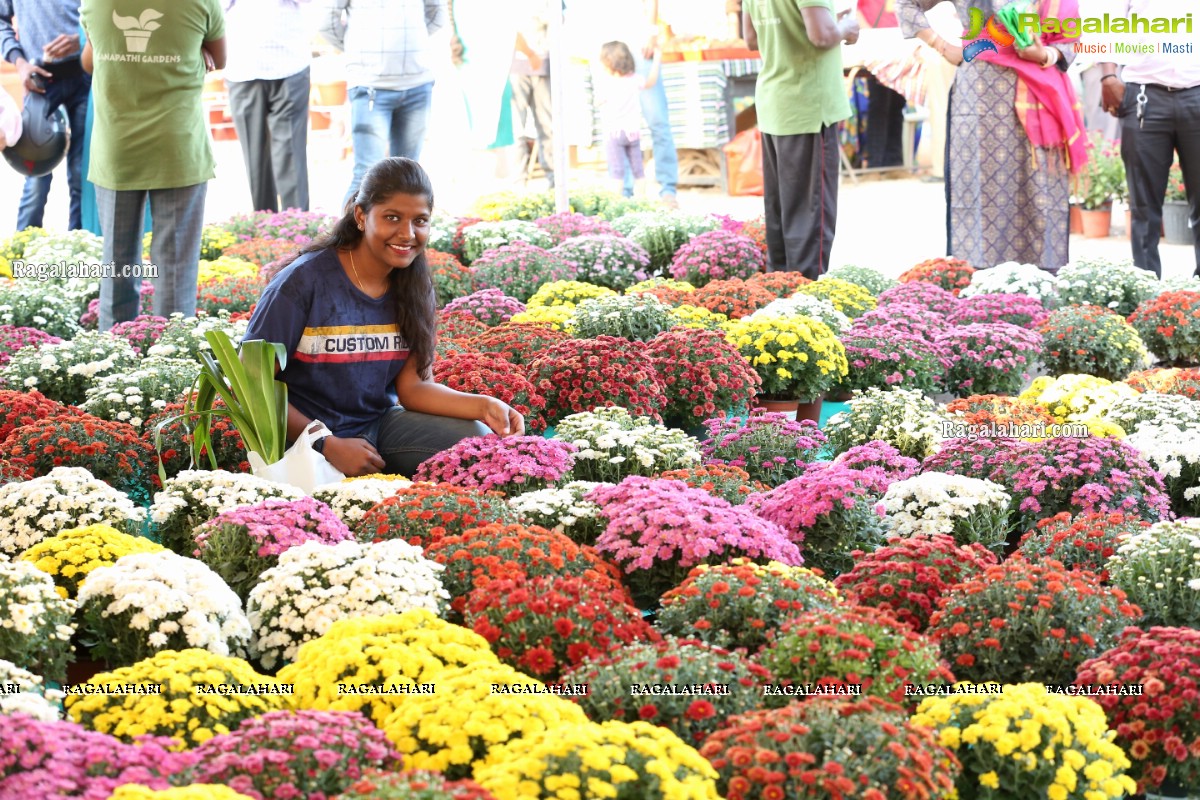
<point>1076,219</point>
<point>1097,222</point>
<point>809,410</point>
<point>82,670</point>
<point>776,406</point>
<point>802,409</point>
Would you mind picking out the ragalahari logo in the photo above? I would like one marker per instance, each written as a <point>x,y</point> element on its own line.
<point>995,36</point>
<point>138,29</point>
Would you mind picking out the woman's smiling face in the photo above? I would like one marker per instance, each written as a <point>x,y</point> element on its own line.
<point>396,229</point>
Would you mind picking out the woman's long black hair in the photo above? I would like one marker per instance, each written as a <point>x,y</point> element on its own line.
<point>416,307</point>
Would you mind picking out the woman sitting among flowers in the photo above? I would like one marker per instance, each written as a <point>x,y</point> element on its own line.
<point>355,311</point>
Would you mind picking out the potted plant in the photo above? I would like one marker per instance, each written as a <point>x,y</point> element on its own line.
<point>1170,327</point>
<point>326,750</point>
<point>770,447</point>
<point>1157,728</point>
<point>611,759</point>
<point>735,605</point>
<point>852,646</point>
<point>988,358</point>
<point>952,274</point>
<point>798,358</point>
<point>906,576</point>
<point>490,552</point>
<point>670,661</point>
<point>658,530</point>
<point>1017,622</point>
<point>1102,181</point>
<point>830,511</point>
<point>1089,340</point>
<point>1157,569</point>
<point>1005,753</point>
<point>254,400</point>
<point>829,747</point>
<point>1175,209</point>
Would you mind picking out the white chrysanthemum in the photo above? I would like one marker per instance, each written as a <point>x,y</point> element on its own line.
<point>69,497</point>
<point>1013,278</point>
<point>150,589</point>
<point>804,305</point>
<point>1174,451</point>
<point>31,696</point>
<point>1159,568</point>
<point>562,509</point>
<point>135,394</point>
<point>632,445</point>
<point>351,500</point>
<point>194,496</point>
<point>970,509</point>
<point>314,585</point>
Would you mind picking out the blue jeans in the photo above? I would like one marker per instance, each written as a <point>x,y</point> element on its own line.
<point>175,249</point>
<point>406,438</point>
<point>386,123</point>
<point>657,117</point>
<point>72,94</point>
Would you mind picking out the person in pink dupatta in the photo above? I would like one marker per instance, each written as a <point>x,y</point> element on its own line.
<point>1015,136</point>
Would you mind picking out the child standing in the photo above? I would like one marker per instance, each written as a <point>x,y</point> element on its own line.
<point>620,112</point>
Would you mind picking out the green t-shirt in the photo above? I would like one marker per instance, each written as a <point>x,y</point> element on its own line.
<point>150,131</point>
<point>800,87</point>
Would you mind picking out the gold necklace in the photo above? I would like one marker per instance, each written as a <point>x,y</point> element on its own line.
<point>357,280</point>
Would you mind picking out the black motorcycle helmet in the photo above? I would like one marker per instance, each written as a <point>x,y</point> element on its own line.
<point>44,138</point>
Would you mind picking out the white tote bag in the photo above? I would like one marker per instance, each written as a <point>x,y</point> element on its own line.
<point>301,466</point>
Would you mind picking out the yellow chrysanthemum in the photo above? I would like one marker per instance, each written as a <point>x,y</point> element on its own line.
<point>71,555</point>
<point>177,708</point>
<point>1032,742</point>
<point>609,760</point>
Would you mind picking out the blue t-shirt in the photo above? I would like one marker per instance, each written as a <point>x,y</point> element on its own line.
<point>344,347</point>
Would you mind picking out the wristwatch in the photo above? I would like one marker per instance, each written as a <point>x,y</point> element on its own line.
<point>319,445</point>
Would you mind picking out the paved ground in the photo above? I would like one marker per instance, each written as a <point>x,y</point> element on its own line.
<point>886,223</point>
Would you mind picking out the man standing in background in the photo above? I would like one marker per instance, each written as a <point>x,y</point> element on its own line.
<point>1157,98</point>
<point>389,66</point>
<point>269,45</point>
<point>531,89</point>
<point>800,97</point>
<point>46,55</point>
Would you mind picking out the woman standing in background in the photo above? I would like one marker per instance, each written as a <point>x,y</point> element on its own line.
<point>1015,137</point>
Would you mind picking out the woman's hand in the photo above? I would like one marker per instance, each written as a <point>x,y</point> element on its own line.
<point>352,457</point>
<point>952,53</point>
<point>1035,53</point>
<point>500,417</point>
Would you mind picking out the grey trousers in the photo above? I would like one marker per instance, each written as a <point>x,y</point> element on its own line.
<point>271,118</point>
<point>1171,125</point>
<point>531,95</point>
<point>800,189</point>
<point>177,216</point>
<point>406,438</point>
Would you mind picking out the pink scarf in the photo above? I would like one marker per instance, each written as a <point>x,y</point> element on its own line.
<point>1045,102</point>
